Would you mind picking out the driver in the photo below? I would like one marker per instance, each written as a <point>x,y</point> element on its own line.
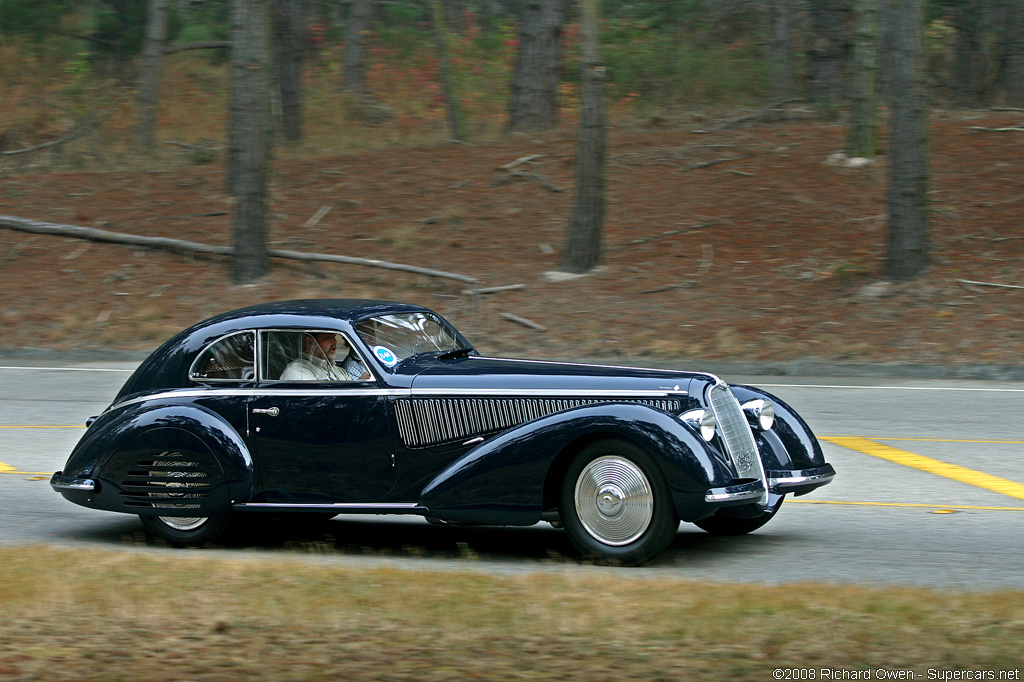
<point>317,360</point>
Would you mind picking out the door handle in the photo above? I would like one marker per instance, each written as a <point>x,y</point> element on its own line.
<point>270,411</point>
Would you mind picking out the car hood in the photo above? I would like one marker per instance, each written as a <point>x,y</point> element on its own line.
<point>486,374</point>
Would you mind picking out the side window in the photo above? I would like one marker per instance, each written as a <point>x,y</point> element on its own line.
<point>309,355</point>
<point>229,358</point>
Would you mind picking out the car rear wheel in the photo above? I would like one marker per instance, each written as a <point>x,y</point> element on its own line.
<point>186,531</point>
<point>616,505</point>
<point>720,524</point>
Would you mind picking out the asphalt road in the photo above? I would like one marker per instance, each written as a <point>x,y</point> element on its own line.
<point>930,492</point>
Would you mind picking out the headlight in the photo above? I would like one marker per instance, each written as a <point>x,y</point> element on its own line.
<point>703,420</point>
<point>761,413</point>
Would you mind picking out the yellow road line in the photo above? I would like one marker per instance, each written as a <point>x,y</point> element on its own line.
<point>906,504</point>
<point>931,466</point>
<point>931,440</point>
<point>6,468</point>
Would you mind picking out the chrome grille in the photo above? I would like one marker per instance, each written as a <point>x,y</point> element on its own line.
<point>732,424</point>
<point>433,421</point>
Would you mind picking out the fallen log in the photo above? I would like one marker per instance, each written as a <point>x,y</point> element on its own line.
<point>523,321</point>
<point>184,246</point>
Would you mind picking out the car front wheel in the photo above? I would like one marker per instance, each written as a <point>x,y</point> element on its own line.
<point>616,505</point>
<point>186,531</point>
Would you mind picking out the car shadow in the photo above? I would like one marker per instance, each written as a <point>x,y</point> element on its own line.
<point>414,538</point>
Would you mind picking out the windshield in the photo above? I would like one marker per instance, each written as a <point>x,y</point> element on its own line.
<point>393,338</point>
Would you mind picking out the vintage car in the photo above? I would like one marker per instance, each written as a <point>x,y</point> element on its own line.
<point>354,406</point>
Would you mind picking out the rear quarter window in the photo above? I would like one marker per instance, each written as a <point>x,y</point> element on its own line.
<point>230,358</point>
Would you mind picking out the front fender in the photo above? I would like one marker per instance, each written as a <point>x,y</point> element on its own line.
<point>178,455</point>
<point>502,481</point>
<point>802,448</point>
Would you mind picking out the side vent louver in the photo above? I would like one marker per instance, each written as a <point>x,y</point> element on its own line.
<point>423,422</point>
<point>167,481</point>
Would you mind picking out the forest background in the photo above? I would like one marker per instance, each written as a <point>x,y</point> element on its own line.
<point>735,224</point>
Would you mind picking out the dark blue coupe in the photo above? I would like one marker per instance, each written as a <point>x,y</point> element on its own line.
<point>373,407</point>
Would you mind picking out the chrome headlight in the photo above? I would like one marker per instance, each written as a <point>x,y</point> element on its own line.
<point>703,420</point>
<point>760,413</point>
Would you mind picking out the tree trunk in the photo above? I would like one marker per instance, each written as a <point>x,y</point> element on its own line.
<point>451,104</point>
<point>149,82</point>
<point>534,101</point>
<point>969,67</point>
<point>908,147</point>
<point>862,138</point>
<point>583,247</point>
<point>826,50</point>
<point>249,135</point>
<point>1013,51</point>
<point>780,48</point>
<point>289,21</point>
<point>353,75</point>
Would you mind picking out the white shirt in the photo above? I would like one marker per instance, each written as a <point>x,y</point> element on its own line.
<point>311,368</point>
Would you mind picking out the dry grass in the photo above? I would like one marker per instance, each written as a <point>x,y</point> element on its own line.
<point>96,616</point>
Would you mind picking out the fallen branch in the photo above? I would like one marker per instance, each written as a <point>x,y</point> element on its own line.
<point>521,160</point>
<point>192,147</point>
<point>758,116</point>
<point>200,45</point>
<point>662,235</point>
<point>316,217</point>
<point>523,321</point>
<point>536,177</point>
<point>998,130</point>
<point>74,132</point>
<point>183,246</point>
<point>989,284</point>
<point>493,290</point>
<point>708,164</point>
<point>670,287</point>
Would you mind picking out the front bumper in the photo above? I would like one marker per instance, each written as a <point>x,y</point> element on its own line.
<point>62,483</point>
<point>735,494</point>
<point>798,482</point>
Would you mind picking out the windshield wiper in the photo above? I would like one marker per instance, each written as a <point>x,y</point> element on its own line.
<point>455,353</point>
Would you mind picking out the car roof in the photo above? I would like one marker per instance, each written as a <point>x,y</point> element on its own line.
<point>345,309</point>
<point>167,366</point>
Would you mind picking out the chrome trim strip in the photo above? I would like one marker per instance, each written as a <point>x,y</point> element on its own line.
<point>588,364</point>
<point>546,392</point>
<point>258,392</point>
<point>60,482</point>
<point>397,392</point>
<point>346,506</point>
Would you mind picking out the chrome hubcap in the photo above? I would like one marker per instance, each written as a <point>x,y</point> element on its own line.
<point>609,500</point>
<point>183,523</point>
<point>614,500</point>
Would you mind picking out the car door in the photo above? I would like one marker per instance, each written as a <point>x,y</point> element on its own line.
<point>319,441</point>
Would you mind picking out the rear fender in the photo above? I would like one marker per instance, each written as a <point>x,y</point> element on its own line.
<point>503,480</point>
<point>162,459</point>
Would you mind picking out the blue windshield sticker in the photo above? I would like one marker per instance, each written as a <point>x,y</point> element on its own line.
<point>385,355</point>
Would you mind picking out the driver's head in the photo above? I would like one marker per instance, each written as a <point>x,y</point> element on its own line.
<point>323,344</point>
